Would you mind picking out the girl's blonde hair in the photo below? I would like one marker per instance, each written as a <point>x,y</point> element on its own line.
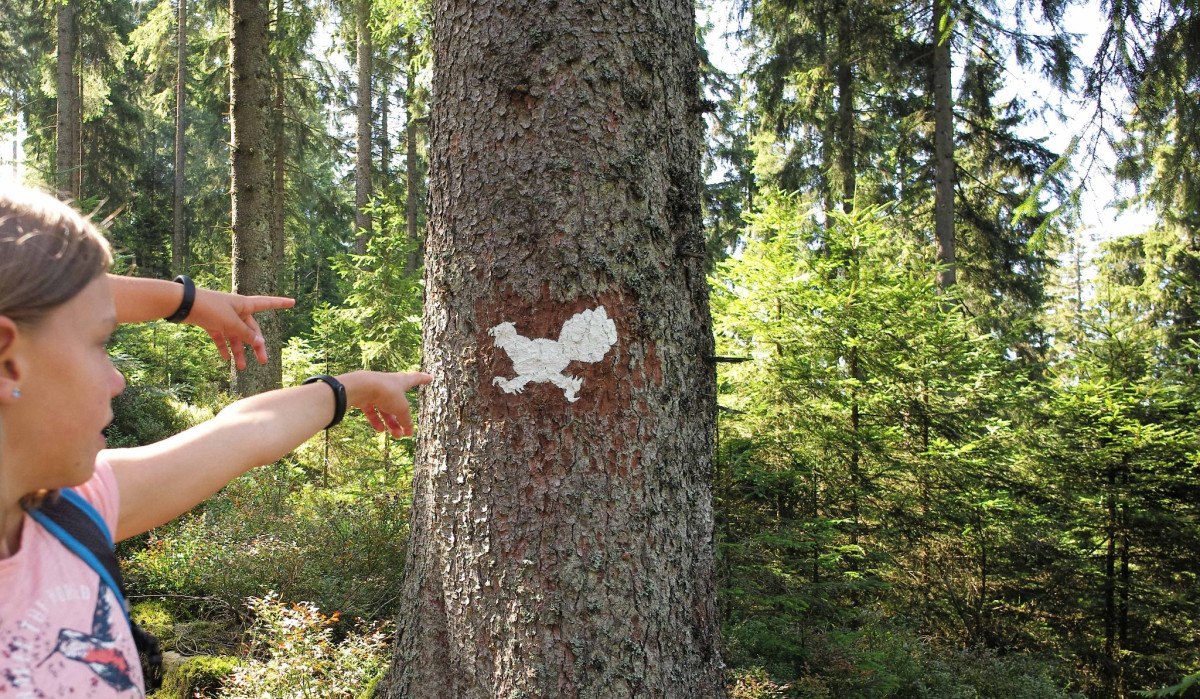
<point>48,254</point>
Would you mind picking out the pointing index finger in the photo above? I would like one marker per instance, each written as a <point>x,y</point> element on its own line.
<point>257,304</point>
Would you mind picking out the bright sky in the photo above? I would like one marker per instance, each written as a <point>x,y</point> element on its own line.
<point>1099,217</point>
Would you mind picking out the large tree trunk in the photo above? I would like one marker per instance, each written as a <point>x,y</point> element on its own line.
<point>943,138</point>
<point>253,251</point>
<point>362,167</point>
<point>67,169</point>
<point>179,240</point>
<point>563,548</point>
<point>412,177</point>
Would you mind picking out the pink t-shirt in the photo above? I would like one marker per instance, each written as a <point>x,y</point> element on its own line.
<point>62,633</point>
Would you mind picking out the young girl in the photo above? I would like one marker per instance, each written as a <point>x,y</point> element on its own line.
<point>58,308</point>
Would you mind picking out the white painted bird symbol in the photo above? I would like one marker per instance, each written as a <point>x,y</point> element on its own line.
<point>585,337</point>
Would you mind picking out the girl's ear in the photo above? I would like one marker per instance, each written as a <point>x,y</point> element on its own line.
<point>10,373</point>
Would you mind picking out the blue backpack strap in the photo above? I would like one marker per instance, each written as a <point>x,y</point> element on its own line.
<point>77,500</point>
<point>74,522</point>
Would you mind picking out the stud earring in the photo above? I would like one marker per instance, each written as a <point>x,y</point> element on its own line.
<point>16,393</point>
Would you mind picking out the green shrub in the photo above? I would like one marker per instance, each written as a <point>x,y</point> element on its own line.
<point>273,530</point>
<point>293,654</point>
<point>178,357</point>
<point>1177,690</point>
<point>144,415</point>
<point>878,660</point>
<point>978,673</point>
<point>754,683</point>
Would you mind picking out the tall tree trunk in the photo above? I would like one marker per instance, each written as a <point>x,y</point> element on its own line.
<point>847,155</point>
<point>179,238</point>
<point>828,132</point>
<point>943,138</point>
<point>818,549</point>
<point>563,547</point>
<point>362,167</point>
<point>847,165</point>
<point>278,159</point>
<point>250,106</point>
<point>412,177</point>
<point>1110,588</point>
<point>857,482</point>
<point>1126,581</point>
<point>1186,319</point>
<point>16,142</point>
<point>982,623</point>
<point>67,170</point>
<point>385,107</point>
<point>1078,321</point>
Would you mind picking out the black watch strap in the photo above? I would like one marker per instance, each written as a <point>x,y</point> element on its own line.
<point>189,298</point>
<point>339,396</point>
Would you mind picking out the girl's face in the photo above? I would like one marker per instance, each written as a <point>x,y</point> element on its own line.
<point>67,383</point>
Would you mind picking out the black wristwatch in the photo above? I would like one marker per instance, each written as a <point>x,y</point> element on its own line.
<point>339,396</point>
<point>189,298</point>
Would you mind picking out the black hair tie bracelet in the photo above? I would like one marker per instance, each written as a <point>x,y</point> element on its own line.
<point>189,298</point>
<point>339,396</point>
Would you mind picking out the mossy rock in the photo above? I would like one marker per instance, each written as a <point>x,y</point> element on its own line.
<point>197,676</point>
<point>154,617</point>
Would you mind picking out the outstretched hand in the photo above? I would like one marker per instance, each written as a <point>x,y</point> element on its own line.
<point>381,397</point>
<point>229,321</point>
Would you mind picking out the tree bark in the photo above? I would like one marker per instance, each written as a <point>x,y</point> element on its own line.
<point>1124,525</point>
<point>16,142</point>
<point>179,239</point>
<point>559,548</point>
<point>66,160</point>
<point>253,251</point>
<point>847,149</point>
<point>1111,651</point>
<point>362,167</point>
<point>857,481</point>
<point>824,184</point>
<point>412,178</point>
<point>278,160</point>
<point>943,137</point>
<point>384,89</point>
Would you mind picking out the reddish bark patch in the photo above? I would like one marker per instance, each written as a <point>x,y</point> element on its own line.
<point>577,465</point>
<point>609,385</point>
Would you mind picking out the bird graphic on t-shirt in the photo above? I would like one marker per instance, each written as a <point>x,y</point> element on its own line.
<point>585,337</point>
<point>98,650</point>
